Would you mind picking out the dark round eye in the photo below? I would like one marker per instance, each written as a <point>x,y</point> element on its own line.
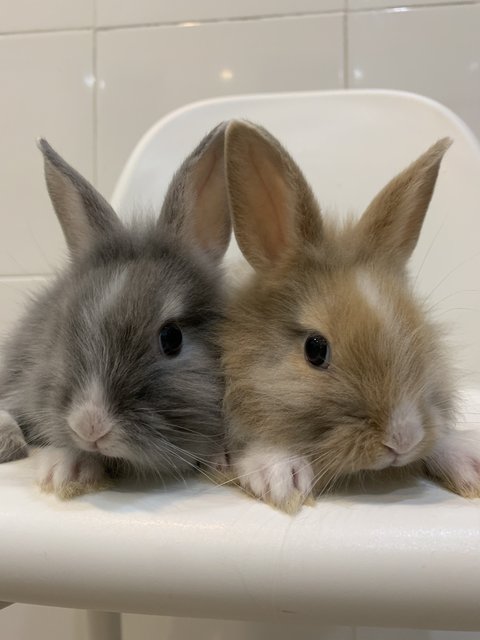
<point>171,339</point>
<point>317,351</point>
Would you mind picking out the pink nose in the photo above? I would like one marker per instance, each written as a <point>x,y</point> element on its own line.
<point>90,424</point>
<point>91,432</point>
<point>404,441</point>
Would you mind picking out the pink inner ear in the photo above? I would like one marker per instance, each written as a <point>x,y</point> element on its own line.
<point>391,225</point>
<point>271,197</point>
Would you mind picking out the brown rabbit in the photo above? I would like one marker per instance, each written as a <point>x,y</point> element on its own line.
<point>333,367</point>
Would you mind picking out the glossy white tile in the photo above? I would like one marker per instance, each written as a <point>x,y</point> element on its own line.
<point>432,51</point>
<point>144,73</point>
<point>46,85</point>
<point>25,15</point>
<point>125,12</point>
<point>14,294</point>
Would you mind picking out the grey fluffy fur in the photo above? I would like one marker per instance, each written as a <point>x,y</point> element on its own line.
<point>84,328</point>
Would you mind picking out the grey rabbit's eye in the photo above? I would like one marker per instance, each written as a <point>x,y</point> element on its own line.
<point>317,351</point>
<point>170,338</point>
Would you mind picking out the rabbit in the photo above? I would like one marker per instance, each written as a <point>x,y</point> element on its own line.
<point>333,367</point>
<point>114,368</point>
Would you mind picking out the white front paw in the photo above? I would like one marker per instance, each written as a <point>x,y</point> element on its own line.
<point>455,461</point>
<point>274,475</point>
<point>69,473</point>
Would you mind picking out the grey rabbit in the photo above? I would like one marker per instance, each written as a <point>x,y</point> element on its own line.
<point>114,366</point>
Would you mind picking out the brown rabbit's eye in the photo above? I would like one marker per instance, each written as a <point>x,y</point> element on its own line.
<point>317,351</point>
<point>171,339</point>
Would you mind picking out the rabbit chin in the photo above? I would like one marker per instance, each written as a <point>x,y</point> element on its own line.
<point>391,459</point>
<point>109,445</point>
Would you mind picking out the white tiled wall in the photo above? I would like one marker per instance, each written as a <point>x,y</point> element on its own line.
<point>44,80</point>
<point>111,13</point>
<point>19,16</point>
<point>241,56</point>
<point>429,50</point>
<point>93,75</point>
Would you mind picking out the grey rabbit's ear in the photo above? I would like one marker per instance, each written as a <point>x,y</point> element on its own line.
<point>83,213</point>
<point>196,205</point>
<point>391,225</point>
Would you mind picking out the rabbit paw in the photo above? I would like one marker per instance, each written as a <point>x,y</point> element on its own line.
<point>12,442</point>
<point>68,474</point>
<point>275,476</point>
<point>455,461</point>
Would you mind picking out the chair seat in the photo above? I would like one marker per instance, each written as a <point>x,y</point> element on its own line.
<point>404,554</point>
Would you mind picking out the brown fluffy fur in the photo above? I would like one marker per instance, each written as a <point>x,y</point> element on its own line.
<point>308,279</point>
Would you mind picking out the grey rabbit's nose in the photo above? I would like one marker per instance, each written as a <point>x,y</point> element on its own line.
<point>90,422</point>
<point>93,431</point>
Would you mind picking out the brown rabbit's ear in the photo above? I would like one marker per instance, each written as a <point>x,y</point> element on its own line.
<point>196,205</point>
<point>273,209</point>
<point>391,225</point>
<point>84,214</point>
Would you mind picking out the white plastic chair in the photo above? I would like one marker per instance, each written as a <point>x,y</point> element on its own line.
<point>397,556</point>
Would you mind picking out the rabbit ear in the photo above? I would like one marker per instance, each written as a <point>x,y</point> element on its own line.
<point>273,209</point>
<point>196,206</point>
<point>391,225</point>
<point>83,213</point>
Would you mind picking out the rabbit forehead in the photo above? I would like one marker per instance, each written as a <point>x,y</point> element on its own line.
<point>131,286</point>
<point>357,299</point>
<point>146,289</point>
<point>370,290</point>
<point>109,296</point>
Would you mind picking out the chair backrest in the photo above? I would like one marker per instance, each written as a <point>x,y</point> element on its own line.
<point>349,144</point>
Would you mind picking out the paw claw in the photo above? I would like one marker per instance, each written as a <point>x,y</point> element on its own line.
<point>74,489</point>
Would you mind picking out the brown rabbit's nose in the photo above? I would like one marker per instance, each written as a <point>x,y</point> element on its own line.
<point>403,442</point>
<point>393,450</point>
<point>404,430</point>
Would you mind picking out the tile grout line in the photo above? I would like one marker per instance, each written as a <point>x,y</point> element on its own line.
<point>173,23</point>
<point>414,7</point>
<point>225,20</point>
<point>95,97</point>
<point>207,21</point>
<point>277,16</point>
<point>44,32</point>
<point>346,78</point>
<point>22,277</point>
